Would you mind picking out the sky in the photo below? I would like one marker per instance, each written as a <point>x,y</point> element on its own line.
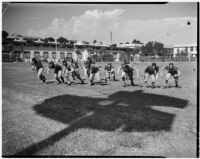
<point>166,23</point>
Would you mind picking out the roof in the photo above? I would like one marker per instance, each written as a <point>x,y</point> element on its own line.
<point>185,45</point>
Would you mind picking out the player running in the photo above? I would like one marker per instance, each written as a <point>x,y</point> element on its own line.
<point>69,69</point>
<point>87,64</point>
<point>95,72</point>
<point>151,71</point>
<point>57,71</point>
<point>37,64</point>
<point>109,72</point>
<point>76,67</point>
<point>127,72</point>
<point>172,71</point>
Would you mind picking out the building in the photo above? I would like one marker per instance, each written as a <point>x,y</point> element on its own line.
<point>188,49</point>
<point>24,48</point>
<point>130,45</point>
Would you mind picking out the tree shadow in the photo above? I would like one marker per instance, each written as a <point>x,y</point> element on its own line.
<point>128,111</point>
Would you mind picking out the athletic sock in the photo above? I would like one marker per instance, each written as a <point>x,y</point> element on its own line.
<point>58,80</point>
<point>62,79</point>
<point>152,84</point>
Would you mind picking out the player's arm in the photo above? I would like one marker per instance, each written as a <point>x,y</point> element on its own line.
<point>137,71</point>
<point>48,69</point>
<point>63,70</point>
<point>72,70</point>
<point>178,74</point>
<point>33,67</point>
<point>119,69</point>
<point>80,65</point>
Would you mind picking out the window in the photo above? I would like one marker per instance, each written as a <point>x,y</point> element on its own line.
<point>46,55</point>
<point>62,55</point>
<point>36,54</point>
<point>27,54</point>
<point>69,55</point>
<point>80,56</point>
<point>53,55</point>
<point>191,48</point>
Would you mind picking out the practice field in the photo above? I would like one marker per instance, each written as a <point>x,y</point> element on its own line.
<point>104,119</point>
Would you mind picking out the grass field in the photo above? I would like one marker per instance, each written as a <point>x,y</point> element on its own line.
<point>104,119</point>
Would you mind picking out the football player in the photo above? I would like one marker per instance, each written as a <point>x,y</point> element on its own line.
<point>151,71</point>
<point>37,64</point>
<point>172,71</point>
<point>69,69</point>
<point>87,64</point>
<point>127,72</point>
<point>110,71</point>
<point>57,71</point>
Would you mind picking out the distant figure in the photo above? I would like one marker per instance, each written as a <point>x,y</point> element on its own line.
<point>57,71</point>
<point>37,64</point>
<point>87,64</point>
<point>127,72</point>
<point>110,73</point>
<point>69,69</point>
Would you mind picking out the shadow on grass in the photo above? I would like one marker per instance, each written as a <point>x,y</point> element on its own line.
<point>128,111</point>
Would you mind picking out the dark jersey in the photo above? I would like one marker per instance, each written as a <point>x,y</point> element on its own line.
<point>127,69</point>
<point>173,70</point>
<point>75,64</point>
<point>108,68</point>
<point>56,67</point>
<point>37,64</point>
<point>88,64</point>
<point>94,69</point>
<point>152,70</point>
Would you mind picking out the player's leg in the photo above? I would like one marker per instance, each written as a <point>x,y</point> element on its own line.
<point>56,77</point>
<point>77,75</point>
<point>153,80</point>
<point>60,76</point>
<point>88,72</point>
<point>113,75</point>
<point>91,78</point>
<point>146,77</point>
<point>167,79</point>
<point>124,78</point>
<point>107,76</point>
<point>176,81</point>
<point>40,75</point>
<point>67,74</point>
<point>130,75</point>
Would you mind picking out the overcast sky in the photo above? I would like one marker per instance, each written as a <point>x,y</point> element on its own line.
<point>165,23</point>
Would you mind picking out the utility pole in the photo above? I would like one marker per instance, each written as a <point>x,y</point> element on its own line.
<point>111,38</point>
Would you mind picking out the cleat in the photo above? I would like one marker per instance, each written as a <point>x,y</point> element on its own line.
<point>92,83</point>
<point>82,82</point>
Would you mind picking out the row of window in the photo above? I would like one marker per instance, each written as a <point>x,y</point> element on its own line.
<point>187,49</point>
<point>45,54</point>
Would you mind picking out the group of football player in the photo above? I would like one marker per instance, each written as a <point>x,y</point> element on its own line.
<point>70,69</point>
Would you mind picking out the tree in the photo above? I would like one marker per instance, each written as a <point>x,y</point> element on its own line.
<point>49,39</point>
<point>113,46</point>
<point>4,34</point>
<point>95,41</point>
<point>62,40</point>
<point>158,48</point>
<point>153,48</point>
<point>136,41</point>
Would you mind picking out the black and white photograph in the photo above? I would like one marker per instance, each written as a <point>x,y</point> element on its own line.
<point>101,79</point>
